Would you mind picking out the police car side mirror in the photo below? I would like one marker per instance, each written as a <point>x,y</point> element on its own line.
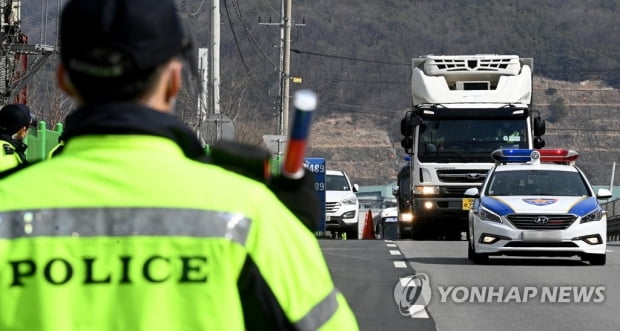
<point>603,193</point>
<point>356,187</point>
<point>472,192</point>
<point>396,190</point>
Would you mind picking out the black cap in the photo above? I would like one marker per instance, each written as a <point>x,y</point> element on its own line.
<point>110,39</point>
<point>13,117</point>
<point>111,47</point>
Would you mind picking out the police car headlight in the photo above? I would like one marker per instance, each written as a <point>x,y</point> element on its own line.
<point>488,215</point>
<point>595,215</point>
<point>349,201</point>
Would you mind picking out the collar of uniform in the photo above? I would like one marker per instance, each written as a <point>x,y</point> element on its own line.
<point>19,146</point>
<point>131,119</point>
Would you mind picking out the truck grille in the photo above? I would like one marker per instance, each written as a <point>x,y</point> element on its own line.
<point>541,222</point>
<point>470,176</point>
<point>454,191</point>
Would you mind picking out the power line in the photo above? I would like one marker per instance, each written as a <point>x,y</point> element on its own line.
<point>245,65</point>
<point>350,58</point>
<point>194,13</point>
<point>544,70</point>
<point>385,112</point>
<point>583,129</point>
<point>253,43</point>
<point>367,82</point>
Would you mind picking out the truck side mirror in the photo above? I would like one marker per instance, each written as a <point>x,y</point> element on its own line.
<point>408,123</point>
<point>405,127</point>
<point>539,126</point>
<point>539,142</point>
<point>406,143</point>
<point>395,190</point>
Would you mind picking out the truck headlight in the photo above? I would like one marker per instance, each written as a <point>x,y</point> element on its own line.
<point>406,217</point>
<point>426,190</point>
<point>595,215</point>
<point>488,215</point>
<point>349,201</point>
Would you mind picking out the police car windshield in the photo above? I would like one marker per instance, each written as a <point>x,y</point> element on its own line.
<point>537,182</point>
<point>336,183</point>
<point>467,140</point>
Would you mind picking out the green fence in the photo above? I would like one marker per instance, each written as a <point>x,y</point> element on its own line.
<point>41,141</point>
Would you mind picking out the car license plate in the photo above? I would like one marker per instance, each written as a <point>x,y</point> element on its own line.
<point>390,219</point>
<point>552,236</point>
<point>467,203</point>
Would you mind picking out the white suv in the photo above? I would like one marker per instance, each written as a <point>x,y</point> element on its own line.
<point>341,204</point>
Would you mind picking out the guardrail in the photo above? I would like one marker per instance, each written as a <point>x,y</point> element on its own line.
<point>613,219</point>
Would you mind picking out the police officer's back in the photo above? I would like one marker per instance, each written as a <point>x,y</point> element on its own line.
<point>126,231</point>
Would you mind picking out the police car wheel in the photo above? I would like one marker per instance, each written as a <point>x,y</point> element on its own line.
<point>597,259</point>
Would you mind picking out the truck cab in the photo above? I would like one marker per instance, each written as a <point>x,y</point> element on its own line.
<point>464,107</point>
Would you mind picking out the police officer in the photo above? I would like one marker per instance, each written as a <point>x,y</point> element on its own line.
<point>15,120</point>
<point>125,231</point>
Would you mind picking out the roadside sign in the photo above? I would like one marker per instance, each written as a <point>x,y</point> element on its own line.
<point>317,167</point>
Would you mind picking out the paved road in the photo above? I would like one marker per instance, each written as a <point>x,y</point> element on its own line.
<point>507,294</point>
<point>366,271</point>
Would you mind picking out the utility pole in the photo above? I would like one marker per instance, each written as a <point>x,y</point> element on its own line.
<point>287,66</point>
<point>203,98</point>
<point>286,23</point>
<point>214,71</point>
<point>15,69</point>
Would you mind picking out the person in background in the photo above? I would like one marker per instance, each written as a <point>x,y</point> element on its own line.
<point>15,121</point>
<point>126,227</point>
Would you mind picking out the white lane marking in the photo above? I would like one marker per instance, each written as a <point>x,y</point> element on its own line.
<point>394,252</point>
<point>400,264</point>
<point>391,245</point>
<point>418,311</point>
<point>609,251</point>
<point>388,241</point>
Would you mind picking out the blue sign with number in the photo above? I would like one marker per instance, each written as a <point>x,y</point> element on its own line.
<point>317,167</point>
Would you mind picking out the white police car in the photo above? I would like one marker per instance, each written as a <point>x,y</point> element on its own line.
<point>536,202</point>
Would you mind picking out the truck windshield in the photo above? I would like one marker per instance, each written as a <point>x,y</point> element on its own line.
<point>467,140</point>
<point>537,182</point>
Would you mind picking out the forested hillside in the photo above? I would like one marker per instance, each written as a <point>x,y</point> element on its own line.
<point>356,54</point>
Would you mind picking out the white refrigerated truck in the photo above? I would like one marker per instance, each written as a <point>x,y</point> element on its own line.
<point>463,108</point>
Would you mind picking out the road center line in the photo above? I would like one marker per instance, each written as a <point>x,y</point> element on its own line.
<point>400,264</point>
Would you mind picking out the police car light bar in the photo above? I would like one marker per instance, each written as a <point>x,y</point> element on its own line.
<point>528,155</point>
<point>512,155</point>
<point>558,155</point>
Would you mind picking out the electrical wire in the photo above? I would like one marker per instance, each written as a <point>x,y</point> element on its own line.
<point>194,13</point>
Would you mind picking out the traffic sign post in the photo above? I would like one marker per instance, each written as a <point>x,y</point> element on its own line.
<point>317,167</point>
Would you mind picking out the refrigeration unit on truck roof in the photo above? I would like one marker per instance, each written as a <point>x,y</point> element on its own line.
<point>461,79</point>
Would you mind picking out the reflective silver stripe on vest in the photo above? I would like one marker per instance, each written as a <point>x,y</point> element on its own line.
<point>113,222</point>
<point>320,313</point>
